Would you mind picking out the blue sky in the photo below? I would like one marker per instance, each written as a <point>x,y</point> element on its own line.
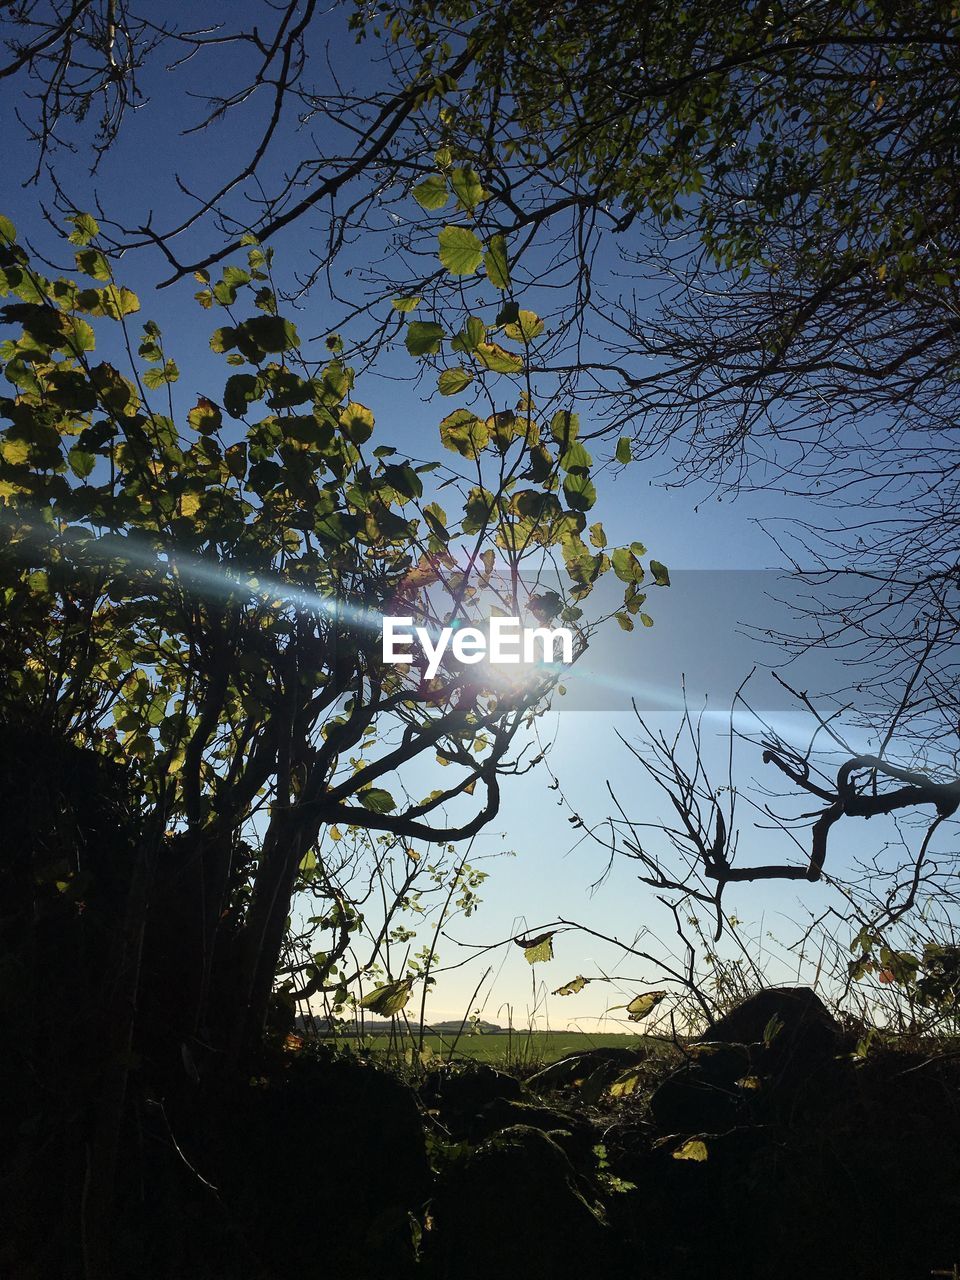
<point>697,634</point>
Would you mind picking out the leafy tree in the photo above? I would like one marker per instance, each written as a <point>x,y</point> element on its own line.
<point>203,601</point>
<point>780,186</point>
<point>778,182</point>
<point>198,597</point>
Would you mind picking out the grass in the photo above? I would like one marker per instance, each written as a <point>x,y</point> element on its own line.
<point>521,1048</point>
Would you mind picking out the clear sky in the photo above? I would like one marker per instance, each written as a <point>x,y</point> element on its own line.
<point>698,629</point>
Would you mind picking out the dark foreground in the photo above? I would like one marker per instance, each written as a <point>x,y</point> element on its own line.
<point>769,1151</point>
<point>739,1158</point>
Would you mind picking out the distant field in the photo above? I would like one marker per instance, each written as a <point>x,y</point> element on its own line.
<point>522,1047</point>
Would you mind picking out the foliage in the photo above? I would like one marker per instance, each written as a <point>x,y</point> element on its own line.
<point>201,600</point>
<point>779,183</point>
<point>929,977</point>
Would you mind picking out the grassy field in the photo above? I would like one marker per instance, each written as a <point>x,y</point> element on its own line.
<point>525,1048</point>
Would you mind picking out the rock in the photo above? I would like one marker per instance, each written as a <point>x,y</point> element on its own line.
<point>322,1167</point>
<point>690,1100</point>
<point>516,1205</point>
<point>590,1072</point>
<point>766,1052</point>
<point>458,1094</point>
<point>572,1133</point>
<point>789,1021</point>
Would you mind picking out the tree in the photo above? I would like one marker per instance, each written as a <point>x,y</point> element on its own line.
<point>221,601</point>
<point>201,603</point>
<point>779,184</point>
<point>896,906</point>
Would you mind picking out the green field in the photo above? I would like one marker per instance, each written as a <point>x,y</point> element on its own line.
<point>521,1048</point>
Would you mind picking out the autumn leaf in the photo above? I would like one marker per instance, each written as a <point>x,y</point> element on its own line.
<point>640,1006</point>
<point>626,1083</point>
<point>692,1149</point>
<point>537,950</point>
<point>571,988</point>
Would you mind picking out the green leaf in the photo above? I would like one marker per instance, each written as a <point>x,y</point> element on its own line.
<point>81,462</point>
<point>468,188</point>
<point>8,231</point>
<point>772,1030</point>
<point>624,453</point>
<point>497,359</point>
<point>573,986</point>
<point>660,574</point>
<point>225,290</point>
<point>576,458</point>
<point>270,333</point>
<point>224,339</point>
<point>377,800</point>
<point>432,193</point>
<point>16,452</point>
<point>504,428</point>
<point>388,999</point>
<point>452,381</point>
<point>94,264</point>
<point>626,565</point>
<point>403,480</point>
<point>335,382</point>
<point>564,427</point>
<point>356,422</point>
<point>626,1083</point>
<point>436,519</point>
<point>423,337</point>
<point>460,250</point>
<point>85,228</point>
<point>579,491</point>
<point>464,433</point>
<point>242,390</point>
<point>205,417</point>
<point>118,301</point>
<point>81,337</point>
<point>537,950</point>
<point>495,262</point>
<point>405,304</point>
<point>160,375</point>
<point>471,335</point>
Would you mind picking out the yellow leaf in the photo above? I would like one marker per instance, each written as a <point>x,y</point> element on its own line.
<point>528,326</point>
<point>537,950</point>
<point>626,1083</point>
<point>573,986</point>
<point>692,1149</point>
<point>641,1005</point>
<point>15,451</point>
<point>356,422</point>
